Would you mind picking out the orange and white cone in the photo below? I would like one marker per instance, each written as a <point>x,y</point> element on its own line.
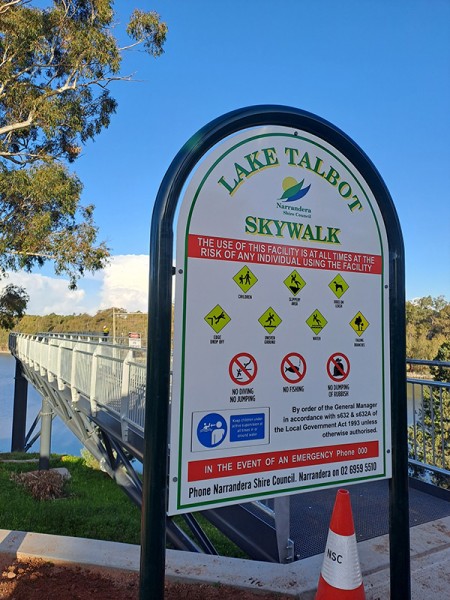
<point>340,578</point>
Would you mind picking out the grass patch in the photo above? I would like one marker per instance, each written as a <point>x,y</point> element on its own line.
<point>93,506</point>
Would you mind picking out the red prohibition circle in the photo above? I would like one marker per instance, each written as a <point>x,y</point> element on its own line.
<point>334,364</point>
<point>289,366</point>
<point>242,362</point>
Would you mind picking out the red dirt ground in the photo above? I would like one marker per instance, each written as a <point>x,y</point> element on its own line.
<point>39,580</point>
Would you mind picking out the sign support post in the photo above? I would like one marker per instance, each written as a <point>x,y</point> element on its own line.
<point>243,364</point>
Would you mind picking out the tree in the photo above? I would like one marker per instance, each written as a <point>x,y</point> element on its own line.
<point>440,372</point>
<point>56,66</point>
<point>13,302</point>
<point>429,437</point>
<point>427,326</point>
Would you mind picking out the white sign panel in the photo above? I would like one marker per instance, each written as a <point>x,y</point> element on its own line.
<point>281,350</point>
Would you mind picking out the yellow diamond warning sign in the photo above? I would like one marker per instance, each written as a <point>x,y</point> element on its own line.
<point>316,321</point>
<point>217,318</point>
<point>338,286</point>
<point>269,320</point>
<point>245,279</point>
<point>294,282</point>
<point>359,323</point>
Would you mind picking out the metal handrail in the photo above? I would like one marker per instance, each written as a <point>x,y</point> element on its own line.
<point>429,430</point>
<point>107,375</point>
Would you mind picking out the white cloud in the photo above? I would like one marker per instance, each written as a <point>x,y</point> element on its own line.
<point>123,283</point>
<point>48,294</point>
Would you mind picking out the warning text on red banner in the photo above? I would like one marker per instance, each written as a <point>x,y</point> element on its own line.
<point>272,461</point>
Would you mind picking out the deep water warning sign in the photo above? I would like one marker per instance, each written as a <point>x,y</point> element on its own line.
<point>281,337</point>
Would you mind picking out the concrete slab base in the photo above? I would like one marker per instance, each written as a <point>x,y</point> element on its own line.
<point>430,563</point>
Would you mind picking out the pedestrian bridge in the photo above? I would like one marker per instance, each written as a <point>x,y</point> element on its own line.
<point>98,390</point>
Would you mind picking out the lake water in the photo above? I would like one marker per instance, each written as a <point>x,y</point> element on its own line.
<point>63,440</point>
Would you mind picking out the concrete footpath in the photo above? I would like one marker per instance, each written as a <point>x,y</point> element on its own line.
<point>430,563</point>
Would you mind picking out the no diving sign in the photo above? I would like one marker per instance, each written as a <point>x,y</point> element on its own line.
<point>243,368</point>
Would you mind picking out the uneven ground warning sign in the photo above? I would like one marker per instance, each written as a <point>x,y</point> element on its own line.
<point>281,350</point>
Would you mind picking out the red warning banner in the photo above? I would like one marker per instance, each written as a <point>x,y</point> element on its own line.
<point>228,249</point>
<point>285,459</point>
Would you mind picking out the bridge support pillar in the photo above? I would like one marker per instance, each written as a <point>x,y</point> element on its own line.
<point>19,410</point>
<point>46,434</point>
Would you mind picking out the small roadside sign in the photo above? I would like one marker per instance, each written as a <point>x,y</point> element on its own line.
<point>134,340</point>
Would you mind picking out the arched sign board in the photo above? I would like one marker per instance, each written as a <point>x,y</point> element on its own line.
<point>287,244</point>
<point>267,205</point>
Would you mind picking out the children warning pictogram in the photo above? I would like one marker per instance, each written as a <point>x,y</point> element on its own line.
<point>217,318</point>
<point>338,366</point>
<point>243,368</point>
<point>359,323</point>
<point>245,279</point>
<point>293,367</point>
<point>294,282</point>
<point>269,320</point>
<point>316,321</point>
<point>211,430</point>
<point>338,286</point>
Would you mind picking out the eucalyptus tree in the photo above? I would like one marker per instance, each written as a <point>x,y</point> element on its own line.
<point>57,61</point>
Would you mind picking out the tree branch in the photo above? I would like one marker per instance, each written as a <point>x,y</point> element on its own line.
<point>16,126</point>
<point>5,7</point>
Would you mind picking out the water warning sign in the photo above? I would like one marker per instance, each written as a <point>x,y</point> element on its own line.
<point>282,260</point>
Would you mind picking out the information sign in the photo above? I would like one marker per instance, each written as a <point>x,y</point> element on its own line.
<point>281,376</point>
<point>134,340</point>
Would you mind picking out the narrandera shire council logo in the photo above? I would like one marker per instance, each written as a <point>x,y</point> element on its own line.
<point>292,191</point>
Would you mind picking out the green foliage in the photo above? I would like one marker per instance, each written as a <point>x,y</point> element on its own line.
<point>13,302</point>
<point>147,28</point>
<point>427,326</point>
<point>81,323</point>
<point>89,460</point>
<point>56,64</point>
<point>429,439</point>
<point>442,373</point>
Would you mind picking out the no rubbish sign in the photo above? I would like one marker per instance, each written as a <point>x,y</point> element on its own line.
<point>338,366</point>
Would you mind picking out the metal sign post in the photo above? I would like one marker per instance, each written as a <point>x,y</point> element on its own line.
<point>288,372</point>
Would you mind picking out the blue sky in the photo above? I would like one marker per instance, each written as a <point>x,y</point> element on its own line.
<point>378,70</point>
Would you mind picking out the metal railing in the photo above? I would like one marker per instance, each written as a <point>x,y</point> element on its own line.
<point>107,375</point>
<point>429,420</point>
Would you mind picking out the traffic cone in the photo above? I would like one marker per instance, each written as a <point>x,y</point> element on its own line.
<point>340,578</point>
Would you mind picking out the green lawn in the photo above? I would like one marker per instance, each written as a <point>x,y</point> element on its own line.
<point>93,505</point>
